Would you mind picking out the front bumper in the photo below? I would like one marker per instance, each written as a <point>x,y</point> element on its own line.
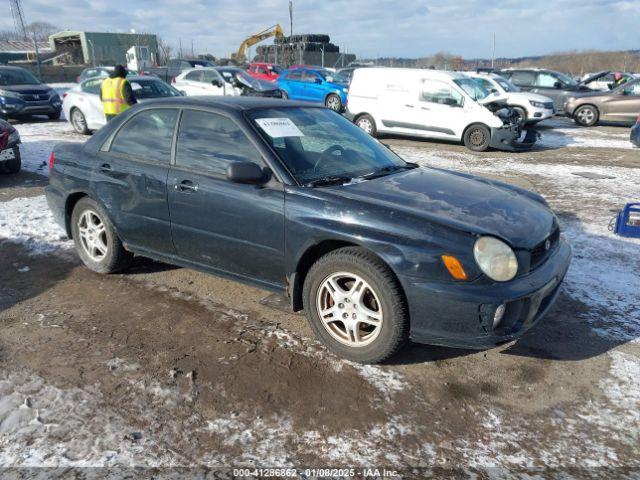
<point>510,138</point>
<point>17,108</point>
<point>539,114</point>
<point>461,314</point>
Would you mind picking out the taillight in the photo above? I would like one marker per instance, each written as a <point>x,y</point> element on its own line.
<point>52,160</point>
<point>64,95</point>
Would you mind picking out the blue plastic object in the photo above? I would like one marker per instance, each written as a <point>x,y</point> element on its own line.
<point>628,221</point>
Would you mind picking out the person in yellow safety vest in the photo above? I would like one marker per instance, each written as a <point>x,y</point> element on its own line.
<point>116,93</point>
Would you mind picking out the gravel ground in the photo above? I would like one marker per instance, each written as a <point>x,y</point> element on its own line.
<point>167,367</point>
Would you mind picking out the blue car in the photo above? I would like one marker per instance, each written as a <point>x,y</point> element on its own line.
<point>320,86</point>
<point>296,199</point>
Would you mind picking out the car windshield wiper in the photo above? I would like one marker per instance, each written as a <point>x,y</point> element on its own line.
<point>390,169</point>
<point>329,180</point>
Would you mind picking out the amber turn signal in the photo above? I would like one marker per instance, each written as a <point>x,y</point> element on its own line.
<point>455,267</point>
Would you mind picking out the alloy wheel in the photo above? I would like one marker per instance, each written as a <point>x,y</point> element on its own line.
<point>93,235</point>
<point>586,116</point>
<point>333,102</point>
<point>78,120</point>
<point>350,309</point>
<point>365,124</point>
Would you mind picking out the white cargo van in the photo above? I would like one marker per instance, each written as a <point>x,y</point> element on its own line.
<point>434,104</point>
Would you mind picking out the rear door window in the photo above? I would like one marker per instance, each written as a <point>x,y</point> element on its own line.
<point>523,79</point>
<point>546,80</point>
<point>295,75</point>
<point>209,142</point>
<point>195,76</point>
<point>147,136</point>
<point>92,86</point>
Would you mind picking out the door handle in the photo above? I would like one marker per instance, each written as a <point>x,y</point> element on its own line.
<point>410,106</point>
<point>106,168</point>
<point>186,186</point>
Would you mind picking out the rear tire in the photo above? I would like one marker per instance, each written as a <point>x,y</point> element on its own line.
<point>79,121</point>
<point>12,166</point>
<point>96,241</point>
<point>586,115</point>
<point>368,124</point>
<point>477,138</point>
<point>367,324</point>
<point>333,102</point>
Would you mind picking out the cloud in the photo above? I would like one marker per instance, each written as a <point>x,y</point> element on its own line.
<point>366,27</point>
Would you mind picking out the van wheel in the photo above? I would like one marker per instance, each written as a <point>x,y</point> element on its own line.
<point>587,116</point>
<point>355,305</point>
<point>95,239</point>
<point>12,166</point>
<point>333,102</point>
<point>368,124</point>
<point>477,138</point>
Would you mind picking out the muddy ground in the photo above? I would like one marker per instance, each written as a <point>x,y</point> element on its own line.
<point>167,367</point>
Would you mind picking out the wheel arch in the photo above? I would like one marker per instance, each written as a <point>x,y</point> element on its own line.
<point>70,203</point>
<point>316,251</point>
<point>474,124</point>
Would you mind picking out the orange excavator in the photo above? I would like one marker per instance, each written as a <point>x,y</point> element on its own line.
<point>274,31</point>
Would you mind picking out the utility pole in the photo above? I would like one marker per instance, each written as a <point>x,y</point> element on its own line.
<point>21,30</point>
<point>291,17</point>
<point>493,54</point>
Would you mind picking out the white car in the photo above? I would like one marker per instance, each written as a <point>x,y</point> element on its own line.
<point>531,107</point>
<point>434,104</point>
<point>83,109</point>
<point>202,81</point>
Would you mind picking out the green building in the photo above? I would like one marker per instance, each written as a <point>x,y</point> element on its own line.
<point>99,48</point>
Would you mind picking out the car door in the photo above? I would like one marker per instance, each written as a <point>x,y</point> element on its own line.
<point>294,85</point>
<point>130,178</point>
<point>551,86</point>
<point>191,83</point>
<point>226,226</point>
<point>314,86</point>
<point>89,103</point>
<point>624,103</point>
<point>439,111</point>
<point>212,83</point>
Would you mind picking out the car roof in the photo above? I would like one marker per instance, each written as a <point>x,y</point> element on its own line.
<point>131,78</point>
<point>10,67</point>
<point>230,104</point>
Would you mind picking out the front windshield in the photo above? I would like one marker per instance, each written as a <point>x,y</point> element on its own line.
<point>473,88</point>
<point>317,143</point>
<point>153,89</point>
<point>507,85</point>
<point>566,79</point>
<point>332,77</point>
<point>17,77</point>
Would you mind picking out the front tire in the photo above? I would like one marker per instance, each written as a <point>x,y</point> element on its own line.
<point>477,138</point>
<point>79,121</point>
<point>96,240</point>
<point>522,115</point>
<point>355,305</point>
<point>586,115</point>
<point>333,102</point>
<point>368,124</point>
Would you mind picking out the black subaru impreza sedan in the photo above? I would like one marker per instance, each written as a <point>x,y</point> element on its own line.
<point>296,199</point>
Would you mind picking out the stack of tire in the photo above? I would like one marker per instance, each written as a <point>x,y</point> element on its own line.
<point>308,38</point>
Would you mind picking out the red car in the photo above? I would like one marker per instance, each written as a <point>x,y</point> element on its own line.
<point>265,71</point>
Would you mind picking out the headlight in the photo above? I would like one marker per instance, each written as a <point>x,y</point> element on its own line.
<point>14,137</point>
<point>536,104</point>
<point>495,258</point>
<point>9,94</point>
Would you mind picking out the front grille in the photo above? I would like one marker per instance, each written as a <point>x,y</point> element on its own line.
<point>42,98</point>
<point>540,252</point>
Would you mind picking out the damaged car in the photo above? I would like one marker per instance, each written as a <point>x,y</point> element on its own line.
<point>10,161</point>
<point>242,83</point>
<point>295,199</point>
<point>435,104</point>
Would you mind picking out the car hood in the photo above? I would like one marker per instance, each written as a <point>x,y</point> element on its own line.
<point>594,77</point>
<point>28,89</point>
<point>468,203</point>
<point>525,97</point>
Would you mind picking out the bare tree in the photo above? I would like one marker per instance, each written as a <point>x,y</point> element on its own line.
<point>164,51</point>
<point>41,30</point>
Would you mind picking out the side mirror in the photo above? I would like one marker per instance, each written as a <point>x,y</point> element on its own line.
<point>319,81</point>
<point>557,85</point>
<point>216,83</point>
<point>246,172</point>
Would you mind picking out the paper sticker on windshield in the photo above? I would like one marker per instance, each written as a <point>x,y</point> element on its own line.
<point>279,127</point>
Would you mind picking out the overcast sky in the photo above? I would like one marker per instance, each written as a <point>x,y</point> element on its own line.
<point>404,28</point>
